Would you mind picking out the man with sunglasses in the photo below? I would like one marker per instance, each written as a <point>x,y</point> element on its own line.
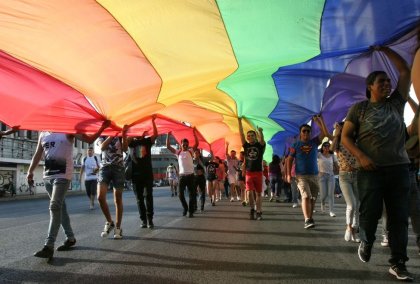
<point>305,151</point>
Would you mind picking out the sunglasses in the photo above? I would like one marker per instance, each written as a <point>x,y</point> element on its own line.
<point>306,131</point>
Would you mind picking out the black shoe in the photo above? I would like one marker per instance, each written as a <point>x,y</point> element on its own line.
<point>252,214</point>
<point>46,252</point>
<point>143,225</point>
<point>259,216</point>
<point>191,215</point>
<point>151,225</point>
<point>309,223</point>
<point>184,213</point>
<point>67,245</point>
<point>400,272</point>
<point>364,251</point>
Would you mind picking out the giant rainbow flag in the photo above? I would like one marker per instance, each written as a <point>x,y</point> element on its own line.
<point>68,65</point>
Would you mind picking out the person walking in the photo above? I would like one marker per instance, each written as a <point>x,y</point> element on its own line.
<point>304,152</point>
<point>172,176</point>
<point>348,183</point>
<point>232,165</point>
<point>111,170</point>
<point>326,163</point>
<point>57,149</point>
<point>142,172</point>
<point>199,177</point>
<point>374,132</point>
<point>254,151</point>
<point>90,168</point>
<point>275,178</point>
<point>186,172</point>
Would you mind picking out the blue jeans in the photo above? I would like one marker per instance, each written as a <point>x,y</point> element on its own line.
<point>327,187</point>
<point>57,189</point>
<point>348,185</point>
<point>389,185</point>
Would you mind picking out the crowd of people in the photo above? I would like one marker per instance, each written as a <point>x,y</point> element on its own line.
<point>372,152</point>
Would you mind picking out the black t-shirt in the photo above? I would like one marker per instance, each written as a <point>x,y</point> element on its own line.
<point>254,156</point>
<point>211,170</point>
<point>142,158</point>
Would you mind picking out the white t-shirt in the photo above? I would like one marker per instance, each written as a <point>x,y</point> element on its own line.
<point>185,161</point>
<point>90,166</point>
<point>58,155</point>
<point>325,164</point>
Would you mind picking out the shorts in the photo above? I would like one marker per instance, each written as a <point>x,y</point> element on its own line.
<point>91,187</point>
<point>232,179</point>
<point>308,186</point>
<point>254,181</point>
<point>114,174</point>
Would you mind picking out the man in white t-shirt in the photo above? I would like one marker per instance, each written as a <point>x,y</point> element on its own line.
<point>186,173</point>
<point>90,168</point>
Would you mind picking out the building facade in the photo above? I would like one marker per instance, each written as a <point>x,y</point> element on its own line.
<point>17,150</point>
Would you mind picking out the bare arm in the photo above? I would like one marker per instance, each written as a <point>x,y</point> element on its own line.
<point>125,140</point>
<point>319,120</point>
<point>10,131</point>
<point>337,134</point>
<point>91,138</point>
<point>261,136</point>
<point>241,130</point>
<point>289,163</point>
<point>104,144</point>
<point>195,138</point>
<point>404,79</point>
<point>413,128</point>
<point>227,150</point>
<point>82,170</point>
<point>168,145</point>
<point>35,161</point>
<point>348,140</point>
<point>155,131</point>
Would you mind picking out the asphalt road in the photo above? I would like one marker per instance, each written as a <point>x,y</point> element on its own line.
<point>220,246</point>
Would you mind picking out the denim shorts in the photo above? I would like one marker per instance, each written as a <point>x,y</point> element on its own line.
<point>114,174</point>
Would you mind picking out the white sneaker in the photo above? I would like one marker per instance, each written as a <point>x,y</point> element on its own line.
<point>295,205</point>
<point>232,199</point>
<point>238,198</point>
<point>107,229</point>
<point>332,214</point>
<point>118,233</point>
